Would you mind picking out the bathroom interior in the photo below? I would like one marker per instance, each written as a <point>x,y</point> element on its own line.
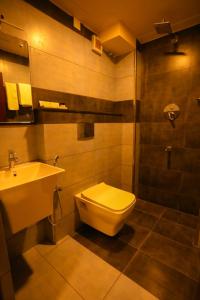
<point>99,150</point>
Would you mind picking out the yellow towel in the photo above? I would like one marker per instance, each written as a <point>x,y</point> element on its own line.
<point>12,97</point>
<point>24,94</point>
<point>48,104</point>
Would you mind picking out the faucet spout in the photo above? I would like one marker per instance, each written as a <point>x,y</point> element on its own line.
<point>12,159</point>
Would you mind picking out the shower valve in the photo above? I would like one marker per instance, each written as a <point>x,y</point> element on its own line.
<point>168,149</point>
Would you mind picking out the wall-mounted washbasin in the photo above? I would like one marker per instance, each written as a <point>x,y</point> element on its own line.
<point>26,194</point>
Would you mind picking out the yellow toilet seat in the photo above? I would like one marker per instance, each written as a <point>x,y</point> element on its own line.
<point>109,197</point>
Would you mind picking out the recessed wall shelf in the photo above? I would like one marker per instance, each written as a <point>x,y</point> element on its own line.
<point>198,100</point>
<point>80,111</point>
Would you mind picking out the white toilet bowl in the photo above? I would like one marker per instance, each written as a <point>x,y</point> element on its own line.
<point>104,207</point>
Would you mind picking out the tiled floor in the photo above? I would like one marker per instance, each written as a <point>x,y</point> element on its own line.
<point>154,249</point>
<point>70,271</point>
<point>153,257</point>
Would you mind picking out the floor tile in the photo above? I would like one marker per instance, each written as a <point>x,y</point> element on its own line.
<point>161,280</point>
<point>175,231</point>
<point>44,248</point>
<point>35,279</point>
<point>88,274</point>
<point>181,218</point>
<point>149,207</point>
<point>141,218</point>
<point>173,254</point>
<point>126,289</point>
<point>111,249</point>
<point>133,234</point>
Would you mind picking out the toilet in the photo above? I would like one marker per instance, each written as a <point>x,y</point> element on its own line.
<point>104,207</point>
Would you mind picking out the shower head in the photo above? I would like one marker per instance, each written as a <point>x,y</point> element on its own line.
<point>163,27</point>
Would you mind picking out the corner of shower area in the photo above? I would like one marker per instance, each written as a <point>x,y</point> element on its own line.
<point>167,152</point>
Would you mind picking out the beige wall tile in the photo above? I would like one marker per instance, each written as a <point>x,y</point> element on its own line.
<point>126,175</point>
<point>67,225</point>
<point>124,88</point>
<point>65,43</point>
<point>78,167</point>
<point>74,262</point>
<point>58,74</point>
<point>60,139</point>
<point>58,64</point>
<point>127,155</point>
<point>107,134</point>
<point>125,67</point>
<point>127,188</point>
<point>128,133</point>
<point>68,68</point>
<point>68,193</point>
<point>63,75</point>
<point>113,177</point>
<point>20,139</point>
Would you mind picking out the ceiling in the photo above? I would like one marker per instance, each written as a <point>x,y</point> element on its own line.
<point>137,15</point>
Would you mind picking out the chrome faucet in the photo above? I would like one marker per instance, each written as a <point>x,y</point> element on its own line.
<point>55,161</point>
<point>12,159</point>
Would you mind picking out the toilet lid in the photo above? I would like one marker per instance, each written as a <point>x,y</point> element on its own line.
<point>109,197</point>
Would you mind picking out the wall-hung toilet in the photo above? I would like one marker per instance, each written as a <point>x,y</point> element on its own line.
<point>104,207</point>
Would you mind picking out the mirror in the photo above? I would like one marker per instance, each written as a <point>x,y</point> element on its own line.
<point>15,89</point>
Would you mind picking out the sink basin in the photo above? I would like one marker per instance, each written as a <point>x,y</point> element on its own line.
<point>26,194</point>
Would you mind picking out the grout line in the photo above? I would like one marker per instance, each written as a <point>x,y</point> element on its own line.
<point>130,261</point>
<point>169,266</point>
<point>138,249</point>
<point>152,257</point>
<point>177,242</point>
<point>83,152</point>
<point>112,285</point>
<point>108,74</point>
<point>60,274</point>
<point>72,62</point>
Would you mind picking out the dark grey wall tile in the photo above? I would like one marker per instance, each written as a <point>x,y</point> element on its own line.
<point>191,184</point>
<point>162,133</point>
<point>152,155</point>
<point>192,134</point>
<point>186,159</point>
<point>168,180</point>
<point>168,199</point>
<point>189,203</point>
<point>171,79</point>
<point>83,108</point>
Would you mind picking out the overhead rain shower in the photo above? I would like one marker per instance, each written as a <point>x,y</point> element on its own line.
<point>164,27</point>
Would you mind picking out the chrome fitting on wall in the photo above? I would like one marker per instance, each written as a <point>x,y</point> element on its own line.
<point>171,112</point>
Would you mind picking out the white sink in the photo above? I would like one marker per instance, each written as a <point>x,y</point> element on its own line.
<point>26,194</point>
